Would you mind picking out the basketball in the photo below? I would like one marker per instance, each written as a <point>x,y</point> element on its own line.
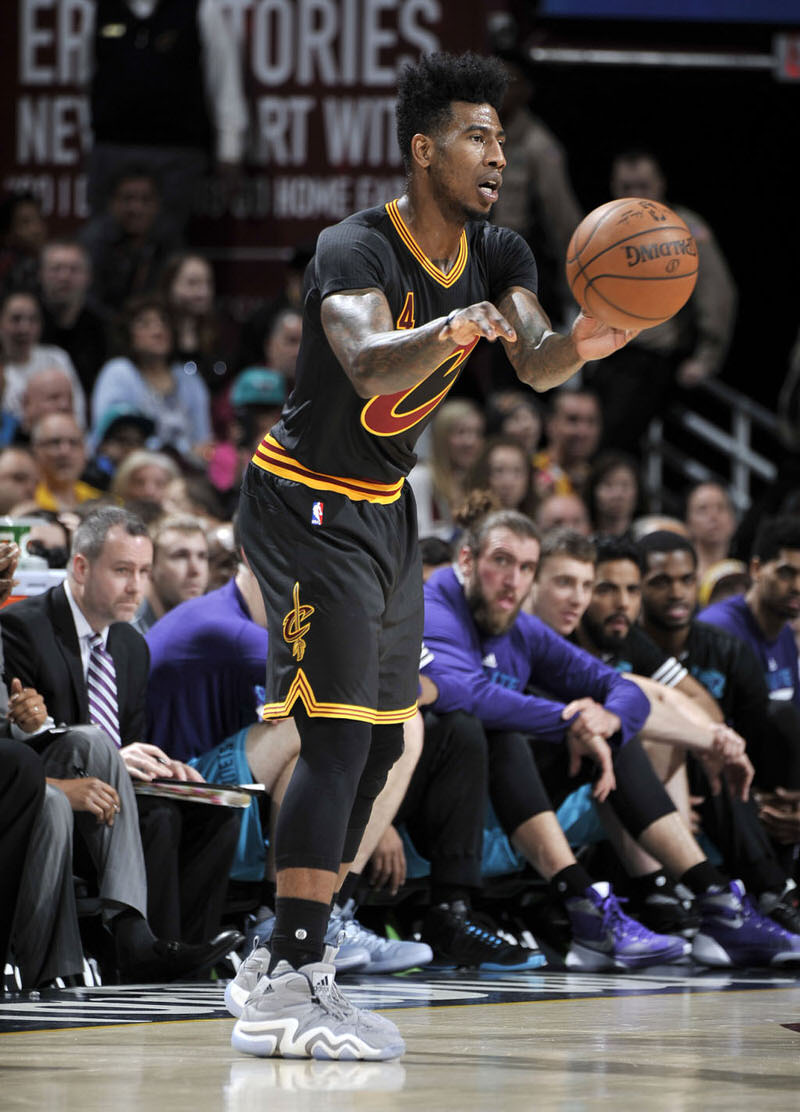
<point>632,263</point>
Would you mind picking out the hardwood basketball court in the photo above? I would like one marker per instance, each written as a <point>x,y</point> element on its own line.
<point>664,1039</point>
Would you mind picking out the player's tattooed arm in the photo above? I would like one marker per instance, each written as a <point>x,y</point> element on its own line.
<point>543,358</point>
<point>380,359</point>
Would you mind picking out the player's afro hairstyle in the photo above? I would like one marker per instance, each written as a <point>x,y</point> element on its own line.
<point>426,90</point>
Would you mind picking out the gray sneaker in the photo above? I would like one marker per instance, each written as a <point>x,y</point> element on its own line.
<point>302,1014</point>
<point>247,977</point>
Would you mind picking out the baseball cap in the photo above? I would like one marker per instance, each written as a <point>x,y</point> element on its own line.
<point>258,386</point>
<point>123,412</point>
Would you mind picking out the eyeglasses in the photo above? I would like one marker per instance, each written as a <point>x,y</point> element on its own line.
<point>57,441</point>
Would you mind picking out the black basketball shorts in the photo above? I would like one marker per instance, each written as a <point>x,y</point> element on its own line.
<point>342,585</point>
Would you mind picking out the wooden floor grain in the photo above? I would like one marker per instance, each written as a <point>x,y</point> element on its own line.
<point>693,1050</point>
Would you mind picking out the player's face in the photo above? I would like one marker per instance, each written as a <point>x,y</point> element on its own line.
<point>111,587</point>
<point>499,580</point>
<point>563,591</point>
<point>777,584</point>
<point>669,589</point>
<point>615,603</point>
<point>467,162</point>
<point>180,567</point>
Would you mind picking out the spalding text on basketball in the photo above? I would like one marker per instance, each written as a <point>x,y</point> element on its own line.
<point>644,252</point>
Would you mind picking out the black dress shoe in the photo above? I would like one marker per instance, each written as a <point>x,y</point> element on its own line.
<point>169,961</point>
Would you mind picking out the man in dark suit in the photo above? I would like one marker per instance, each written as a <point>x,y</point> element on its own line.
<point>74,646</point>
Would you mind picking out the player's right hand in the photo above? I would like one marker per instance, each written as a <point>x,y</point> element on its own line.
<point>475,322</point>
<point>598,750</point>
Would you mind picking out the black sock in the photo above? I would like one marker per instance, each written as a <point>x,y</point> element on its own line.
<point>132,934</point>
<point>267,895</point>
<point>444,895</point>
<point>299,934</point>
<point>701,877</point>
<point>348,889</point>
<point>572,881</point>
<point>643,886</point>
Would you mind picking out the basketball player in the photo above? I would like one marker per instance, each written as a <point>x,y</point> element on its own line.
<point>396,299</point>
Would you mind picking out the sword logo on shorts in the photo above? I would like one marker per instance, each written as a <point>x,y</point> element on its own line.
<point>296,625</point>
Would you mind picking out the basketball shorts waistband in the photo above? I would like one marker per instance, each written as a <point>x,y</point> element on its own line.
<point>273,457</point>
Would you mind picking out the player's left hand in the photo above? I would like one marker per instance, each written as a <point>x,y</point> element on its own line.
<point>595,340</point>
<point>592,719</point>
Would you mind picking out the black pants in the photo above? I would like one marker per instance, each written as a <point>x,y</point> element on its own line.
<point>445,804</point>
<point>735,829</point>
<point>188,852</point>
<point>21,794</point>
<point>528,777</point>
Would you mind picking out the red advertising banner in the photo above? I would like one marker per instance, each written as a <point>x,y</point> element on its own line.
<point>320,82</point>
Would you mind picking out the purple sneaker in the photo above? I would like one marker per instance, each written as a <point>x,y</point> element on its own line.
<point>604,937</point>
<point>735,933</point>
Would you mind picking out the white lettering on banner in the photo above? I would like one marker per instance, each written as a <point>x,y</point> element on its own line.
<point>283,130</point>
<point>307,198</point>
<point>61,39</point>
<point>52,129</point>
<point>360,131</point>
<point>334,42</point>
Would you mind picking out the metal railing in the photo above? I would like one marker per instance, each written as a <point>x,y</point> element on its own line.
<point>682,440</point>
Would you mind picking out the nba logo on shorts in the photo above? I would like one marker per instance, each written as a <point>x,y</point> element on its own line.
<point>316,513</point>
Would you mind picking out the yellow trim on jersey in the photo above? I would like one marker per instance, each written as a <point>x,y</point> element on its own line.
<point>443,279</point>
<point>301,689</point>
<point>273,457</point>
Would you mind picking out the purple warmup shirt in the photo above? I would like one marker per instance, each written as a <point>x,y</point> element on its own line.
<point>208,663</point>
<point>487,676</point>
<point>778,658</point>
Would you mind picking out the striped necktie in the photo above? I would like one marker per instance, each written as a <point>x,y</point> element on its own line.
<point>101,681</point>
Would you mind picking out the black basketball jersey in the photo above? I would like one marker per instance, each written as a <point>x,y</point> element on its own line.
<point>330,438</point>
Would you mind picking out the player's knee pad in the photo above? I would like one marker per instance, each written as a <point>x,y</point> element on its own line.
<point>386,747</point>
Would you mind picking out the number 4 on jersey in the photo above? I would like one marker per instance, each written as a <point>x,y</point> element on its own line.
<point>406,318</point>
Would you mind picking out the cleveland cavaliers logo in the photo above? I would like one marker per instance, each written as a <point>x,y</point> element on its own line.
<point>390,414</point>
<point>296,625</point>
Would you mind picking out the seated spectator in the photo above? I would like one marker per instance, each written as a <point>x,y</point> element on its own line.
<point>19,477</point>
<point>516,414</point>
<point>50,538</point>
<point>223,559</point>
<point>650,523</point>
<point>256,399</point>
<point>485,656</point>
<point>9,424</point>
<point>46,391</point>
<point>72,644</point>
<point>435,554</point>
<point>439,484</point>
<point>144,476</point>
<point>59,450</point>
<point>711,522</point>
<point>503,468</point>
<point>722,580</point>
<point>68,321</point>
<point>282,343</point>
<point>129,243</point>
<point>573,435</point>
<point>121,430</point>
<point>147,377</point>
<point>187,286</point>
<point>23,232</point>
<point>613,493</point>
<point>256,328</point>
<point>195,494</point>
<point>24,355</point>
<point>563,511</point>
<point>180,568</point>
